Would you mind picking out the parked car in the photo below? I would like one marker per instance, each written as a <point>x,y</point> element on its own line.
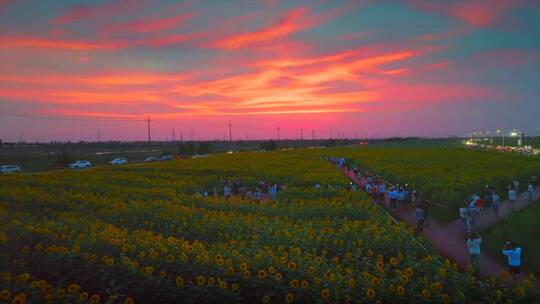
<point>150,159</point>
<point>196,155</point>
<point>166,157</point>
<point>80,164</point>
<point>10,169</point>
<point>118,161</point>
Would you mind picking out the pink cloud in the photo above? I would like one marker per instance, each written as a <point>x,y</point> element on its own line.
<point>86,12</point>
<point>48,43</point>
<point>289,24</point>
<point>478,13</point>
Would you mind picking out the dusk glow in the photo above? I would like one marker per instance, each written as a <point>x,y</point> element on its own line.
<point>361,68</point>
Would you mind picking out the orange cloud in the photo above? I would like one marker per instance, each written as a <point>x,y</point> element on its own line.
<point>72,45</point>
<point>287,25</point>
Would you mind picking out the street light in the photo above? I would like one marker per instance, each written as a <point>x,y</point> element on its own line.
<point>498,132</point>
<point>520,134</point>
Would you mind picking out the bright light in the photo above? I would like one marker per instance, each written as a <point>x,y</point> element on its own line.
<point>513,134</point>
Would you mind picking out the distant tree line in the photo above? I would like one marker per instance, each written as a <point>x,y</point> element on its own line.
<point>190,148</point>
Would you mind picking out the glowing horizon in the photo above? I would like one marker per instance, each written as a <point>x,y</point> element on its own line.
<point>364,68</point>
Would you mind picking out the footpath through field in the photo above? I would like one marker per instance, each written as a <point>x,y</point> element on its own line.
<point>449,239</point>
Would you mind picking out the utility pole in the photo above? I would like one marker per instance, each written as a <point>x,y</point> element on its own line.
<point>301,134</point>
<point>330,133</point>
<point>230,132</point>
<point>173,136</point>
<point>191,133</point>
<point>181,137</point>
<point>148,122</point>
<point>98,136</point>
<point>278,134</point>
<point>312,134</point>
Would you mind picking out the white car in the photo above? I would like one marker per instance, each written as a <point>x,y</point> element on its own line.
<point>80,164</point>
<point>166,157</point>
<point>150,159</point>
<point>10,169</point>
<point>196,155</point>
<point>118,161</point>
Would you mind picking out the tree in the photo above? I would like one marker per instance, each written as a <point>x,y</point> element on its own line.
<point>204,148</point>
<point>268,145</point>
<point>186,148</point>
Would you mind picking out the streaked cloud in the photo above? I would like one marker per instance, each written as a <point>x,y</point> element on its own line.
<point>319,62</point>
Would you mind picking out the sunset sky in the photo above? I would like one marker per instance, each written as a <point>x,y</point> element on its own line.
<point>364,68</point>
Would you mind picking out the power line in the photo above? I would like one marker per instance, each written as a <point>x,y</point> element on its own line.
<point>67,118</point>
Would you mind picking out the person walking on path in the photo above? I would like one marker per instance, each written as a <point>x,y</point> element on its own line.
<point>516,185</point>
<point>464,215</point>
<point>530,192</point>
<point>425,206</point>
<point>392,195</point>
<point>227,191</point>
<point>496,199</point>
<point>474,212</point>
<point>420,217</point>
<point>488,195</point>
<point>400,197</point>
<point>382,191</point>
<point>512,197</point>
<point>513,253</point>
<point>273,192</point>
<point>473,245</point>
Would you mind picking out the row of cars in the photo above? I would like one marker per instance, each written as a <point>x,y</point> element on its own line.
<point>527,150</point>
<point>83,164</point>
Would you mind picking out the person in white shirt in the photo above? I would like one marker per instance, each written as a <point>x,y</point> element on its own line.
<point>530,192</point>
<point>464,215</point>
<point>473,245</point>
<point>496,202</point>
<point>513,253</point>
<point>512,197</point>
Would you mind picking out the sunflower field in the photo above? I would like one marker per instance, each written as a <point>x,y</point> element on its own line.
<point>445,176</point>
<point>144,234</point>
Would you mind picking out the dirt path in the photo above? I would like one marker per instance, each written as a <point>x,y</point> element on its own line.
<point>449,239</point>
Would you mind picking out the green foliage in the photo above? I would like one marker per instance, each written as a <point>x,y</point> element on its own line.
<point>268,145</point>
<point>142,231</point>
<point>523,228</point>
<point>445,176</point>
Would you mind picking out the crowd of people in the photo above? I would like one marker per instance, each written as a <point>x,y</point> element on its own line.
<point>511,250</point>
<point>472,208</point>
<point>470,211</point>
<point>237,187</point>
<point>380,191</point>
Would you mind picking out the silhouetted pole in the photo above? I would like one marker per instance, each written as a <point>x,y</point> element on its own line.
<point>148,123</point>
<point>230,132</point>
<point>278,134</point>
